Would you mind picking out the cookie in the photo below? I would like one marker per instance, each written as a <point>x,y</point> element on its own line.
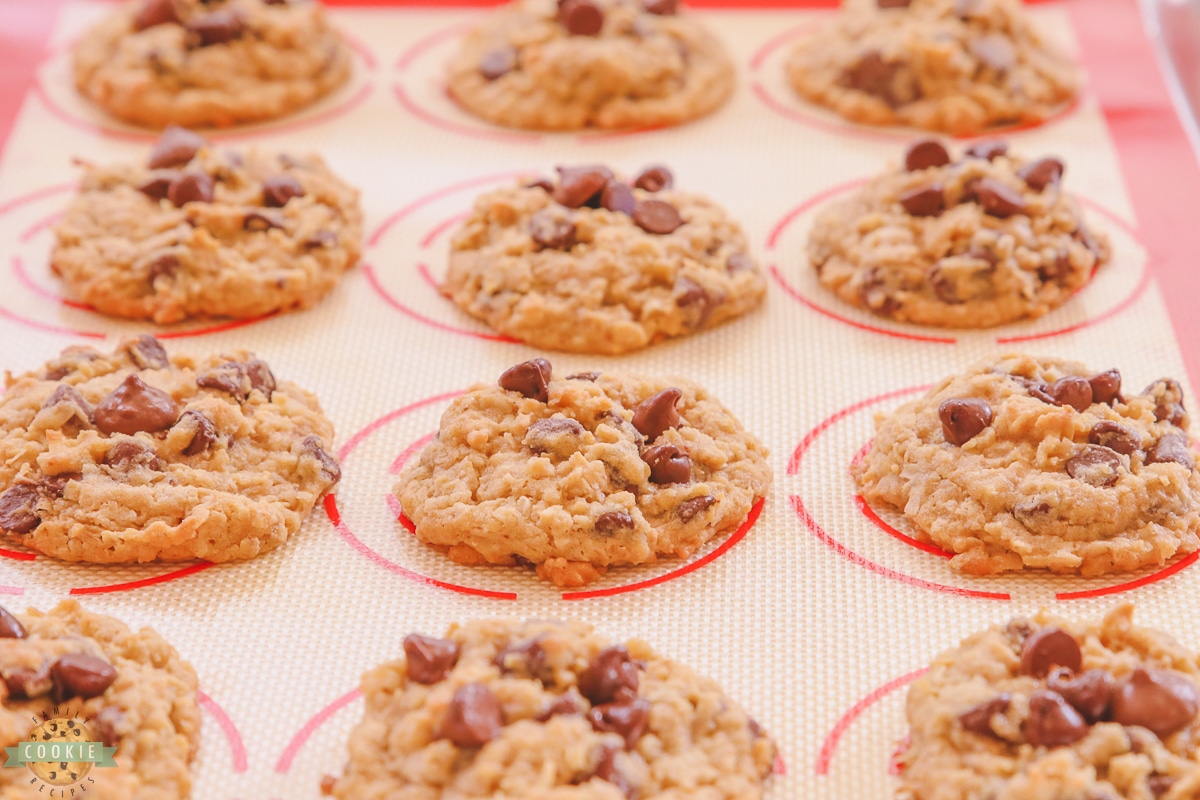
<point>131,691</point>
<point>575,64</point>
<point>548,710</point>
<point>958,66</point>
<point>200,232</point>
<point>970,243</point>
<point>591,264</point>
<point>202,63</point>
<point>131,456</point>
<point>1029,462</point>
<point>580,473</point>
<point>1049,709</point>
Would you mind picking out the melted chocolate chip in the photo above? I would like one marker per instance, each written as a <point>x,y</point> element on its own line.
<point>610,675</point>
<point>429,660</point>
<point>989,150</point>
<point>320,239</point>
<point>1042,173</point>
<point>577,186</point>
<point>175,147</point>
<point>473,718</point>
<point>1113,436</point>
<point>1106,387</point>
<point>654,179</point>
<point>10,626</point>
<point>610,522</point>
<point>128,454</point>
<point>580,17</point>
<point>498,63</point>
<point>618,197</point>
<point>158,185</point>
<point>924,201</point>
<point>135,406</point>
<point>657,413</point>
<point>81,675</point>
<point>668,464</point>
<point>55,485</point>
<point>191,187</point>
<point>978,719</point>
<point>530,378</point>
<point>147,352</point>
<point>1096,466</point>
<point>627,718</point>
<point>65,394</point>
<point>279,189</point>
<point>874,76</point>
<point>1172,448</point>
<point>259,221</point>
<point>1089,693</point>
<point>551,232</point>
<point>216,27</point>
<point>29,684</point>
<point>998,199</point>
<point>607,770</point>
<point>1049,648</point>
<point>329,466</point>
<point>689,508</point>
<point>924,154</point>
<point>105,725</point>
<point>564,706</point>
<point>963,419</point>
<point>560,435</point>
<point>18,509</point>
<point>584,376</point>
<point>1168,396</point>
<point>205,435</point>
<point>1052,721</point>
<point>1161,701</point>
<point>657,217</point>
<point>154,12</point>
<point>663,8</point>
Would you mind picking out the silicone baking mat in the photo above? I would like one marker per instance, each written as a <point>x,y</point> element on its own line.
<point>816,613</point>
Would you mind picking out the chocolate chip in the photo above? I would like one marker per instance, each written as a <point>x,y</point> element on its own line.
<point>664,8</point>
<point>739,262</point>
<point>668,464</point>
<point>579,185</point>
<point>27,683</point>
<point>527,658</point>
<point>473,718</point>
<point>544,184</point>
<point>584,376</point>
<point>164,265</point>
<point>874,76</point>
<point>611,522</point>
<point>558,435</point>
<point>105,725</point>
<point>1052,721</point>
<point>135,406</point>
<point>694,298</point>
<point>55,485</point>
<point>154,12</point>
<point>429,660</point>
<point>1071,391</point>
<point>552,232</point>
<point>963,419</point>
<point>1049,648</point>
<point>610,675</point>
<point>1160,784</point>
<point>1036,388</point>
<point>205,435</point>
<point>18,509</point>
<point>498,63</point>
<point>216,27</point>
<point>924,201</point>
<point>924,154</point>
<point>998,199</point>
<point>1113,436</point>
<point>225,377</point>
<point>657,413</point>
<point>1042,173</point>
<point>564,706</point>
<point>321,239</point>
<point>279,189</point>
<point>978,719</point>
<point>1168,397</point>
<point>65,394</point>
<point>618,197</point>
<point>989,150</point>
<point>158,185</point>
<point>130,454</point>
<point>994,50</point>
<point>313,447</point>
<point>580,17</point>
<point>1161,701</point>
<point>654,179</point>
<point>893,3</point>
<point>656,216</point>
<point>1171,449</point>
<point>607,770</point>
<point>175,147</point>
<point>689,508</point>
<point>259,221</point>
<point>191,187</point>
<point>530,378</point>
<point>627,718</point>
<point>1106,387</point>
<point>81,675</point>
<point>1089,694</point>
<point>10,626</point>
<point>147,352</point>
<point>874,293</point>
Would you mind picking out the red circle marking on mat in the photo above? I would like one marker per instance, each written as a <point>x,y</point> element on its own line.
<point>298,741</point>
<point>441,228</point>
<point>11,590</point>
<point>832,192</point>
<point>878,522</point>
<point>236,746</point>
<point>408,451</point>
<point>131,585</point>
<point>1166,572</point>
<point>842,725</point>
<point>17,556</point>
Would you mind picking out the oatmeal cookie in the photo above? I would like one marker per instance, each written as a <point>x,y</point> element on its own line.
<point>574,64</point>
<point>592,264</point>
<point>133,456</point>
<point>547,710</point>
<point>129,690</point>
<point>200,232</point>
<point>973,243</point>
<point>582,473</point>
<point>959,66</point>
<point>1048,709</point>
<point>210,62</point>
<point>1038,462</point>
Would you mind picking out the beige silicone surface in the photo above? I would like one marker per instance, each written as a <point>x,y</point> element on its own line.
<point>808,620</point>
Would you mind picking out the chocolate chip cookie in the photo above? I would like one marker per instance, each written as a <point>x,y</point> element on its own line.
<point>126,690</point>
<point>197,231</point>
<point>972,242</point>
<point>580,473</point>
<point>590,263</point>
<point>1038,462</point>
<point>959,66</point>
<point>574,64</point>
<point>546,709</point>
<point>1048,708</point>
<point>133,456</point>
<point>210,62</point>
